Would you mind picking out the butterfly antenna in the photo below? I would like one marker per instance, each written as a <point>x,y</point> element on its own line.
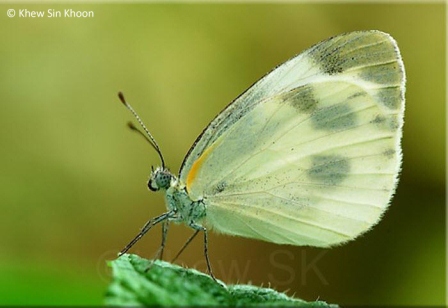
<point>148,135</point>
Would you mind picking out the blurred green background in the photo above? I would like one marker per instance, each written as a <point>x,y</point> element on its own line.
<point>73,177</point>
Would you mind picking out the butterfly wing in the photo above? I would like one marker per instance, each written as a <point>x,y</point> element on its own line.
<point>310,154</point>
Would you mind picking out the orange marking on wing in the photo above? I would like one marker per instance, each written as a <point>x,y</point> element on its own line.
<point>196,166</point>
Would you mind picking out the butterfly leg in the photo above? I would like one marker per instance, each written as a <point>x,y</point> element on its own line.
<point>197,227</point>
<point>159,253</point>
<point>148,225</point>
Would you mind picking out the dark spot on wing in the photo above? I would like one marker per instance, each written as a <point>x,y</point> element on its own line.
<point>390,97</point>
<point>218,188</point>
<point>329,169</point>
<point>334,118</point>
<point>387,73</point>
<point>390,153</point>
<point>302,99</point>
<point>388,122</point>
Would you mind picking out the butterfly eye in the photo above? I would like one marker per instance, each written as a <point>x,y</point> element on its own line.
<point>160,179</point>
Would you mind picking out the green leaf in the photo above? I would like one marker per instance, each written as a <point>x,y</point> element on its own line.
<point>168,284</point>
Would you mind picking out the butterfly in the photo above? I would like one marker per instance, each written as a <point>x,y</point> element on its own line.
<point>309,155</point>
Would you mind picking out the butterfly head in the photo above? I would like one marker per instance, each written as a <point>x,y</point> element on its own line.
<point>160,178</point>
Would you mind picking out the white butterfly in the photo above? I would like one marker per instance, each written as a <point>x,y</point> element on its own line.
<point>309,155</point>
